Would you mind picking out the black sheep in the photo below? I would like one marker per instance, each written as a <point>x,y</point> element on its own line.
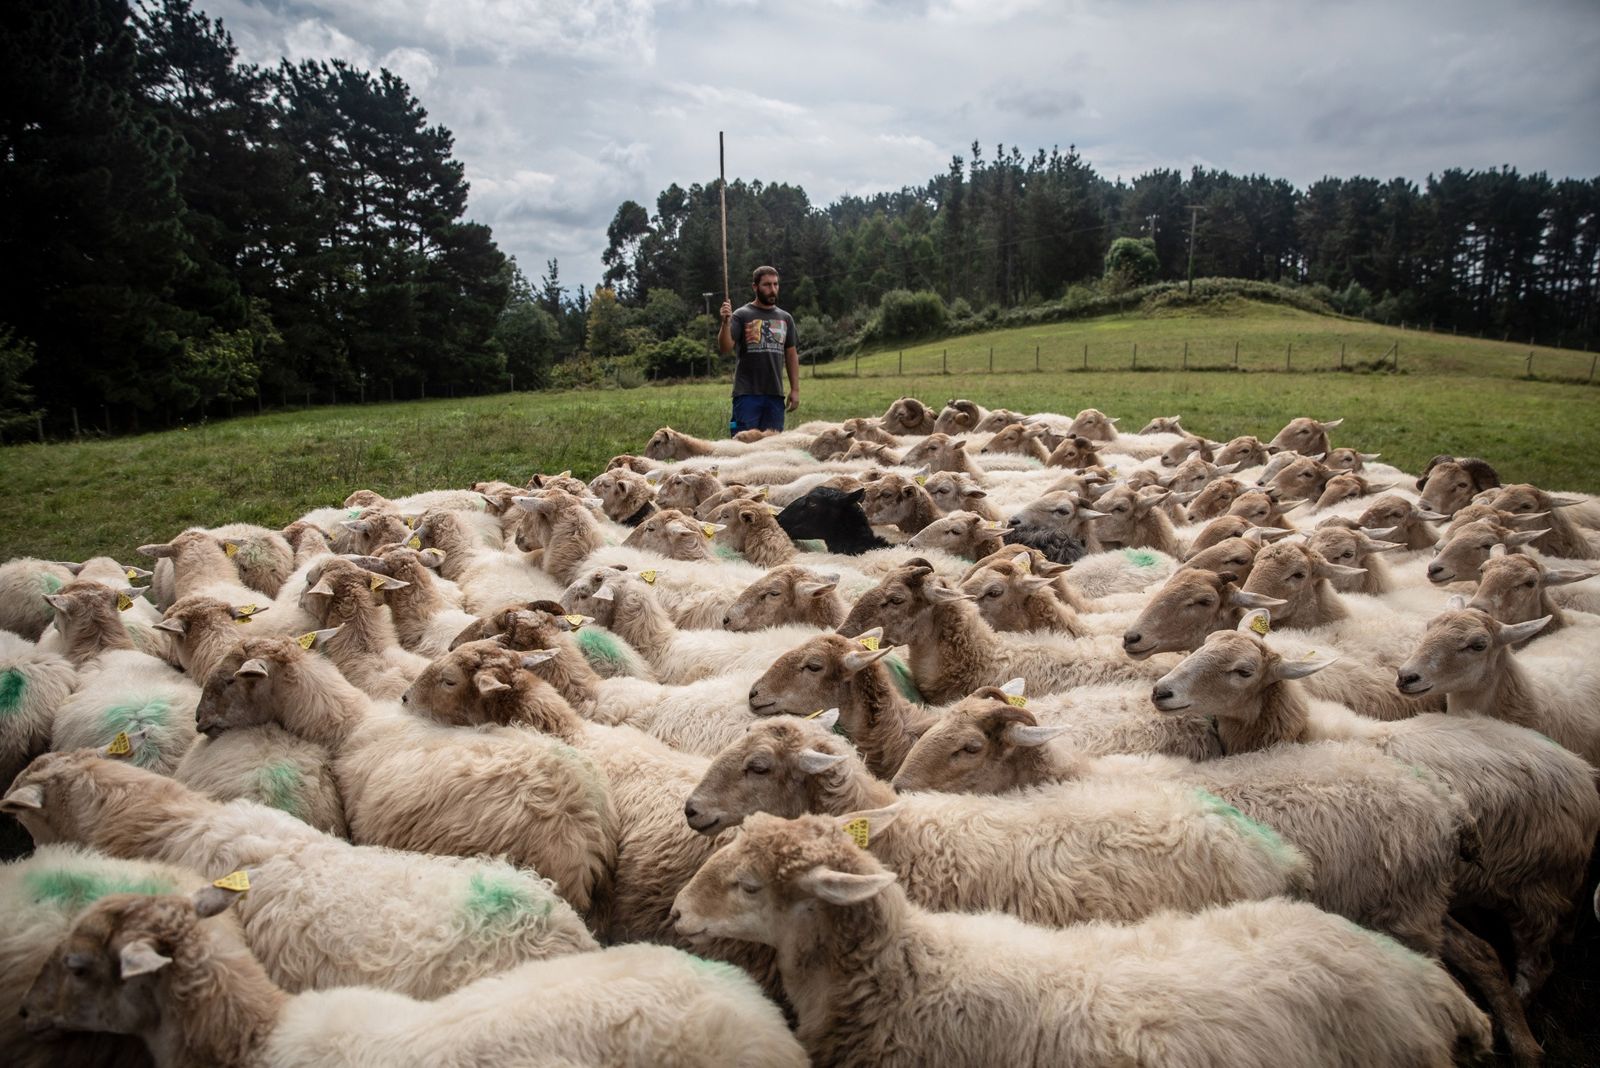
<point>834,516</point>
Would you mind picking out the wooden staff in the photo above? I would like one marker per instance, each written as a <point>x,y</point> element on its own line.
<point>722,193</point>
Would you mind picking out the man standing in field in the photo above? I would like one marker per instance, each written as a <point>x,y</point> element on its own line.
<point>764,336</point>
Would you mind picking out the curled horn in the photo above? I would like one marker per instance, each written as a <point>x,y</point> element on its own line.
<point>1484,476</point>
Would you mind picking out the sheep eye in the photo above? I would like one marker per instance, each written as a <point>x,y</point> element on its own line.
<point>757,767</point>
<point>897,599</point>
<point>749,887</point>
<point>1479,646</point>
<point>77,963</point>
<point>1528,585</point>
<point>1243,673</point>
<point>770,593</point>
<point>1205,602</point>
<point>993,591</point>
<point>1298,575</point>
<point>1348,555</point>
<point>447,682</point>
<point>974,746</point>
<point>813,666</point>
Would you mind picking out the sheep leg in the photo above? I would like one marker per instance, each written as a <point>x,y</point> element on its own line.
<point>1473,959</point>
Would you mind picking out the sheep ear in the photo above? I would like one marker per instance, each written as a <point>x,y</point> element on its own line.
<point>814,762</point>
<point>315,639</point>
<point>1557,501</point>
<point>877,819</point>
<point>1224,469</point>
<point>1241,599</point>
<point>856,659</point>
<point>653,476</point>
<point>605,593</point>
<point>139,957</point>
<point>432,558</point>
<point>843,888</point>
<point>254,668</point>
<point>1258,621</point>
<point>536,657</point>
<point>23,799</point>
<point>1376,546</point>
<point>488,684</point>
<point>827,720</point>
<point>943,595</point>
<point>1563,575</point>
<point>1365,456</point>
<point>1512,633</point>
<point>1523,537</point>
<point>531,504</point>
<point>1021,734</point>
<point>814,589</point>
<point>58,602</point>
<point>171,626</point>
<point>1455,603</point>
<point>322,588</point>
<point>158,550</point>
<point>213,900</point>
<point>1299,669</point>
<point>384,582</point>
<point>1034,583</point>
<point>125,745</point>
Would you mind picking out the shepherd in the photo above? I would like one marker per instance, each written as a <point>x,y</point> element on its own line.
<point>764,337</point>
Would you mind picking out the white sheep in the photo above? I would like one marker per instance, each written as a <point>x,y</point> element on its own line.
<point>1534,803</point>
<point>626,1006</point>
<point>410,784</point>
<point>488,577</point>
<point>1057,855</point>
<point>364,645</point>
<point>958,989</point>
<point>320,912</point>
<point>33,684</point>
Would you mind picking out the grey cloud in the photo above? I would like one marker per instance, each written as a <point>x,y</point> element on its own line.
<point>1041,103</point>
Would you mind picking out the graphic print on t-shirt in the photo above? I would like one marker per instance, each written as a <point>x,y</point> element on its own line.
<point>765,335</point>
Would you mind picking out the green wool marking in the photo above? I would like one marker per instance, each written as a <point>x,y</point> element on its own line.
<point>133,716</point>
<point>74,890</point>
<point>812,545</point>
<point>900,675</point>
<point>727,552</point>
<point>495,899</point>
<point>717,968</point>
<point>50,583</point>
<point>600,647</point>
<point>1266,835</point>
<point>1141,557</point>
<point>280,786</point>
<point>12,686</point>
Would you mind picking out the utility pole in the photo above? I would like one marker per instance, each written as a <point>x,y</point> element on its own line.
<point>1150,221</point>
<point>1194,218</point>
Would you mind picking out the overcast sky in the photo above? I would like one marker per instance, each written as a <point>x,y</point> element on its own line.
<point>562,109</point>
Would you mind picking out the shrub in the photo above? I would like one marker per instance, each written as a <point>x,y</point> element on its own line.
<point>904,314</point>
<point>677,357</point>
<point>1132,261</point>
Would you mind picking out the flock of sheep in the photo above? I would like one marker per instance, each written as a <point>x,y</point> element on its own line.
<point>963,737</point>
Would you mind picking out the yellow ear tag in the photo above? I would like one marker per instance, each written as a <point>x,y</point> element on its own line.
<point>649,577</point>
<point>1016,699</point>
<point>245,612</point>
<point>1112,471</point>
<point>1260,625</point>
<point>120,746</point>
<point>231,550</point>
<point>707,529</point>
<point>414,543</point>
<point>1309,654</point>
<point>761,494</point>
<point>376,583</point>
<point>239,881</point>
<point>1024,563</point>
<point>575,621</point>
<point>817,713</point>
<point>857,829</point>
<point>124,602</point>
<point>132,574</point>
<point>922,480</point>
<point>870,643</point>
<point>307,640</point>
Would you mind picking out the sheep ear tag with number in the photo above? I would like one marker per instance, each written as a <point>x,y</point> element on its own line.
<point>576,621</point>
<point>230,549</point>
<point>1014,692</point>
<point>858,829</point>
<point>237,881</point>
<point>869,642</point>
<point>120,745</point>
<point>124,602</point>
<point>414,543</point>
<point>243,613</point>
<point>649,577</point>
<point>1260,625</point>
<point>307,640</point>
<point>376,582</point>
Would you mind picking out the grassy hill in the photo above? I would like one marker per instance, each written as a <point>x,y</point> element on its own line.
<point>1452,395</point>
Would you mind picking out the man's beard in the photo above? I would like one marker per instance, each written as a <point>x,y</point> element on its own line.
<point>762,300</point>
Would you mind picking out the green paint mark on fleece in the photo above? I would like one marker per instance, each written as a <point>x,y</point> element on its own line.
<point>280,785</point>
<point>727,552</point>
<point>50,583</point>
<point>12,686</point>
<point>812,545</point>
<point>1141,557</point>
<point>1260,831</point>
<point>900,675</point>
<point>136,715</point>
<point>498,899</point>
<point>601,647</point>
<point>74,890</point>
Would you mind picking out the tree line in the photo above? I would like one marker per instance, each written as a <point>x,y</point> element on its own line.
<point>186,233</point>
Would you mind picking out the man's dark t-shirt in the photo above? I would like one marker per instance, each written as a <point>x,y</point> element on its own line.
<point>760,337</point>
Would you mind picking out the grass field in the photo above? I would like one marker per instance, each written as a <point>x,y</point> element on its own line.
<point>109,496</point>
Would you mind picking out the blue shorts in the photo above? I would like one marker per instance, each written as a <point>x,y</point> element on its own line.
<point>755,411</point>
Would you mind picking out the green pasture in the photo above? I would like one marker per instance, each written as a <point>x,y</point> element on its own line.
<point>75,500</point>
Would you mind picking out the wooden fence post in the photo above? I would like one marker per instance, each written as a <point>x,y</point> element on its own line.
<point>1036,357</point>
<point>945,361</point>
<point>900,368</point>
<point>1085,355</point>
<point>1288,357</point>
<point>1341,355</point>
<point>1185,355</point>
<point>1132,366</point>
<point>1529,370</point>
<point>991,359</point>
<point>1236,355</point>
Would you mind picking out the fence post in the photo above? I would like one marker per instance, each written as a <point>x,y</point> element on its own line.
<point>813,363</point>
<point>991,359</point>
<point>1529,370</point>
<point>1288,357</point>
<point>1592,360</point>
<point>900,369</point>
<point>858,365</point>
<point>1135,362</point>
<point>945,361</point>
<point>1185,355</point>
<point>1341,355</point>
<point>39,420</point>
<point>1085,355</point>
<point>1036,357</point>
<point>1236,355</point>
<point>77,435</point>
<point>1397,357</point>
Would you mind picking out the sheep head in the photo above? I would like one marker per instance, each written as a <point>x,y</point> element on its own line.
<point>908,416</point>
<point>1306,436</point>
<point>955,491</point>
<point>1235,556</point>
<point>1189,606</point>
<point>1075,452</point>
<point>1351,460</point>
<point>964,534</point>
<point>959,417</point>
<point>1303,479</point>
<point>895,602</point>
<point>1468,547</point>
<point>1163,424</point>
<point>1006,593</point>
<point>1215,498</point>
<point>786,766</point>
<point>780,876</point>
<point>978,747</point>
<point>484,682</point>
<point>1245,450</point>
<point>821,672</point>
<point>1093,424</point>
<point>1227,676</point>
<point>786,594</point>
<point>673,535</point>
<point>1462,649</point>
<point>1449,483</point>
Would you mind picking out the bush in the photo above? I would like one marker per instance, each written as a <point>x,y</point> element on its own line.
<point>960,308</point>
<point>1132,261</point>
<point>903,314</point>
<point>1354,299</point>
<point>677,357</point>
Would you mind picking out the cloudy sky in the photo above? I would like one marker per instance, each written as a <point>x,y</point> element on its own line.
<point>561,109</point>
